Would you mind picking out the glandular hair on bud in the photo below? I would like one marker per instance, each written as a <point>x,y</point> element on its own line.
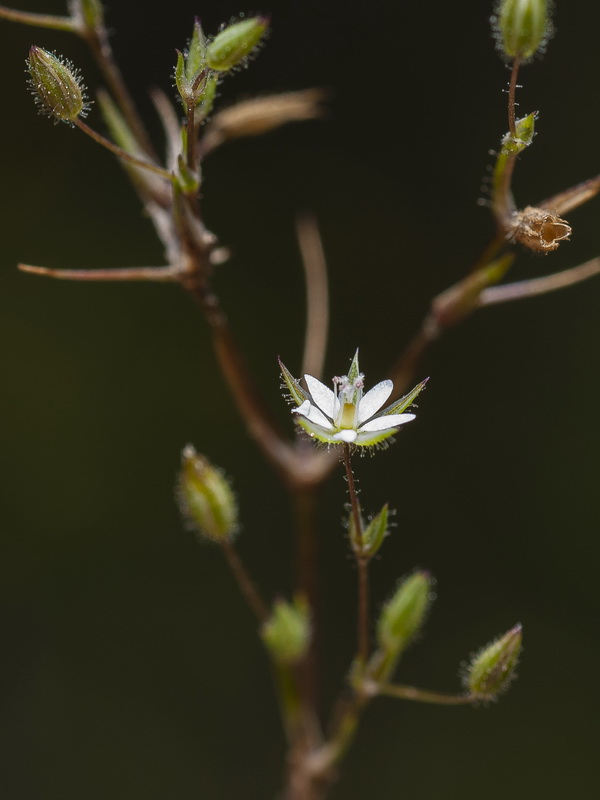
<point>232,46</point>
<point>522,27</point>
<point>493,668</point>
<point>206,499</point>
<point>286,633</point>
<point>56,86</point>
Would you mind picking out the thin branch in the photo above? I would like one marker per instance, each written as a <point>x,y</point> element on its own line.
<point>362,564</point>
<point>99,44</point>
<point>317,295</point>
<point>39,20</point>
<point>245,582</point>
<point>161,274</point>
<point>423,695</point>
<point>536,286</point>
<point>120,153</point>
<point>512,89</point>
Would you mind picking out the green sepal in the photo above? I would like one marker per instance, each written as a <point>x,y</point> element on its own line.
<point>207,97</point>
<point>524,133</point>
<point>181,81</point>
<point>399,406</point>
<point>375,532</point>
<point>235,43</point>
<point>298,394</point>
<point>196,56</point>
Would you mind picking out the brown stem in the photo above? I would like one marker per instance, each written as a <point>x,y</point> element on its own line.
<point>123,154</point>
<point>361,563</point>
<point>245,583</point>
<point>512,90</point>
<point>563,202</point>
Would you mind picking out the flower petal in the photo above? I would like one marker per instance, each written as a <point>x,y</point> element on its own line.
<point>384,423</point>
<point>312,413</point>
<point>373,400</point>
<point>323,397</point>
<point>345,435</point>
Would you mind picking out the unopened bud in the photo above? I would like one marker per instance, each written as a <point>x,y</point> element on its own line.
<point>493,668</point>
<point>56,86</point>
<point>206,499</point>
<point>286,633</point>
<point>522,27</point>
<point>404,613</point>
<point>235,43</point>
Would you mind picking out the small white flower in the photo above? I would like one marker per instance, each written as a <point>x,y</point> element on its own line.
<point>346,415</point>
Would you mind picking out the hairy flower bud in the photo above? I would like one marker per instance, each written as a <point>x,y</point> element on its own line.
<point>286,633</point>
<point>235,43</point>
<point>493,668</point>
<point>404,613</point>
<point>206,499</point>
<point>56,86</point>
<point>522,27</point>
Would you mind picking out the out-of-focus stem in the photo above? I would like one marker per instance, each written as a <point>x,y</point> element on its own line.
<point>424,695</point>
<point>160,274</point>
<point>317,295</point>
<point>39,20</point>
<point>536,286</point>
<point>99,44</point>
<point>244,581</point>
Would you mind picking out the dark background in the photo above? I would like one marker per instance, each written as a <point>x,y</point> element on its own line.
<point>130,665</point>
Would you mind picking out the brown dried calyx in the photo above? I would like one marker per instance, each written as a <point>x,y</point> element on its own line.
<point>538,229</point>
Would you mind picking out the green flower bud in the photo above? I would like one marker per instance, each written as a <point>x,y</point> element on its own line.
<point>404,613</point>
<point>56,86</point>
<point>206,499</point>
<point>191,73</point>
<point>522,27</point>
<point>235,43</point>
<point>493,668</point>
<point>286,633</point>
<point>195,58</point>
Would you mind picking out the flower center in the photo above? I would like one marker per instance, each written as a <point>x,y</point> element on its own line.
<point>349,393</point>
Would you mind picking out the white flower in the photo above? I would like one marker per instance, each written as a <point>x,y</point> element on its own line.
<point>346,415</point>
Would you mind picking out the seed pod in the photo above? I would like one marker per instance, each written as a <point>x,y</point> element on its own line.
<point>235,43</point>
<point>522,27</point>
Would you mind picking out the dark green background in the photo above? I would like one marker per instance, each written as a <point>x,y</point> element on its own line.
<point>130,665</point>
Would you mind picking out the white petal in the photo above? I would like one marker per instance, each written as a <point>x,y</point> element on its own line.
<point>374,399</point>
<point>345,435</point>
<point>322,395</point>
<point>312,413</point>
<point>384,423</point>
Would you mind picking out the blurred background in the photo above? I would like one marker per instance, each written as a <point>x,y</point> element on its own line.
<point>131,668</point>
